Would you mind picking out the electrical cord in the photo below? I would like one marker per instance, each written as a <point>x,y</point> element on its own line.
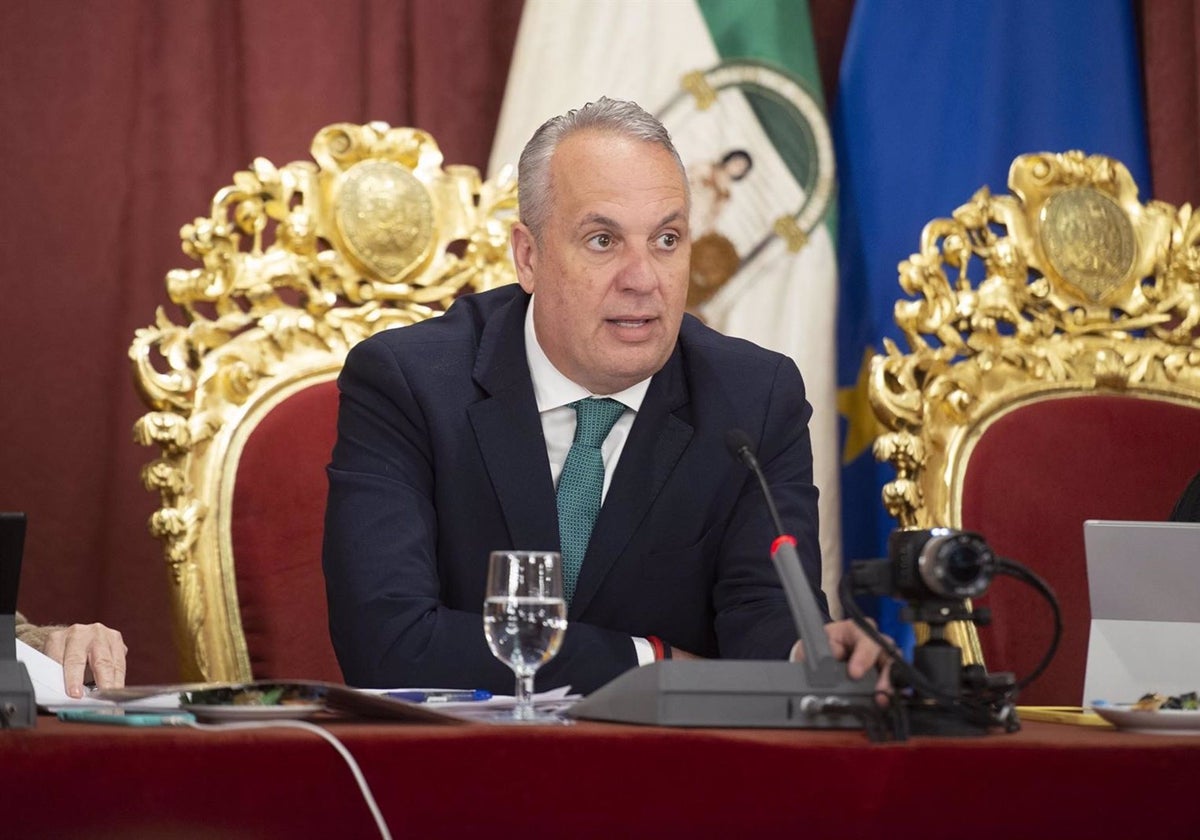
<point>899,664</point>
<point>1011,568</point>
<point>982,711</point>
<point>359,778</point>
<point>873,718</point>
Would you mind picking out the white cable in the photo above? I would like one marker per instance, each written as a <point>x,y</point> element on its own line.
<point>384,832</point>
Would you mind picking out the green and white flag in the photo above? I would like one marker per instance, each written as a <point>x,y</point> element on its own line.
<point>736,84</point>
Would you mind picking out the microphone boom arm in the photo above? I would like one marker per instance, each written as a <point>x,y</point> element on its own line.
<point>823,669</point>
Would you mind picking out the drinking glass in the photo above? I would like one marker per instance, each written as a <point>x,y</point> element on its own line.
<point>524,616</point>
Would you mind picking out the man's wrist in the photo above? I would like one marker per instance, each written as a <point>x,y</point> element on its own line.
<point>662,650</point>
<point>37,635</point>
<point>651,649</point>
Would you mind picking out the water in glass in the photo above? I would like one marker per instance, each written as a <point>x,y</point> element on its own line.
<point>524,616</point>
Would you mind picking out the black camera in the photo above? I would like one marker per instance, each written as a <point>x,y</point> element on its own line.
<point>936,570</point>
<point>929,564</point>
<point>939,563</point>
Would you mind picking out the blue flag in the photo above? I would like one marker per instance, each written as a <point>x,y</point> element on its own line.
<point>935,101</point>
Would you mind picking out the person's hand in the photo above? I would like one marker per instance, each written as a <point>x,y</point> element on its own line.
<point>848,642</point>
<point>88,648</point>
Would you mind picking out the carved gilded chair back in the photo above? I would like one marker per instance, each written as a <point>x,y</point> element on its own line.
<point>296,264</point>
<point>1052,375</point>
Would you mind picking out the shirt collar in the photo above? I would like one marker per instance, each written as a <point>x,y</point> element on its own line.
<point>552,390</point>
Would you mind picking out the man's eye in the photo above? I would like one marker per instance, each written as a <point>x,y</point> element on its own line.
<point>602,240</point>
<point>669,240</point>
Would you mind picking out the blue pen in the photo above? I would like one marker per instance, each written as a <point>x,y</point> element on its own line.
<point>449,696</point>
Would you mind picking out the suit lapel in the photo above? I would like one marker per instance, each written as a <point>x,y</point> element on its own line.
<point>509,432</point>
<point>656,442</point>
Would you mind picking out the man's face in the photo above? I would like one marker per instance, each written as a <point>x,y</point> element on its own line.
<point>611,272</point>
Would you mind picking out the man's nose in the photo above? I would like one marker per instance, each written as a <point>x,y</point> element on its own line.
<point>638,273</point>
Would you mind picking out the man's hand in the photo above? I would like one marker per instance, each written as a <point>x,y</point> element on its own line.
<point>848,642</point>
<point>84,648</point>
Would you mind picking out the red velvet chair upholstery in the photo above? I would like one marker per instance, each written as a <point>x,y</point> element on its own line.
<point>1052,376</point>
<point>277,513</point>
<point>1139,478</point>
<point>297,264</point>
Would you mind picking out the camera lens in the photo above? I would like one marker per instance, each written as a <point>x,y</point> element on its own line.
<point>955,564</point>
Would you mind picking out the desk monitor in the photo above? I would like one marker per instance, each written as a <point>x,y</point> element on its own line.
<point>17,708</point>
<point>12,546</point>
<point>1144,586</point>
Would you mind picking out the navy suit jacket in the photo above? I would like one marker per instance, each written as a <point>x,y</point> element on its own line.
<point>440,459</point>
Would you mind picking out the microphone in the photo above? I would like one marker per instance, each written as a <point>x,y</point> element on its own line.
<point>823,669</point>
<point>816,694</point>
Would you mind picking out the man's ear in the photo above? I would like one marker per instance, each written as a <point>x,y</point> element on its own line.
<point>524,253</point>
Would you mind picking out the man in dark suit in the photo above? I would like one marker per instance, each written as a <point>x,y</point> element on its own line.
<point>452,435</point>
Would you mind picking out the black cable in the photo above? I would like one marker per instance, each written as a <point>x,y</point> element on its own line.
<point>1011,568</point>
<point>988,708</point>
<point>911,675</point>
<point>873,718</point>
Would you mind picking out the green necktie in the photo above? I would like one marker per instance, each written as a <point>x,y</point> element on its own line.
<point>582,482</point>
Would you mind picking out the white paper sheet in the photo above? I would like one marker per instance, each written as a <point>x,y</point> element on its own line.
<point>51,695</point>
<point>491,709</point>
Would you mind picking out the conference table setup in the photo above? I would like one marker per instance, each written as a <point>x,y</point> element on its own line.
<point>592,779</point>
<point>1060,319</point>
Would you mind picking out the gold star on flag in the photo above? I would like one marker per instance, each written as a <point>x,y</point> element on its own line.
<point>862,427</point>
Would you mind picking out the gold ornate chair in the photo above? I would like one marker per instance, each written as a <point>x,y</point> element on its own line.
<point>1052,375</point>
<point>296,265</point>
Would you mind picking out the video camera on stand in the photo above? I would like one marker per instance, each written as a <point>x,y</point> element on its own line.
<point>936,571</point>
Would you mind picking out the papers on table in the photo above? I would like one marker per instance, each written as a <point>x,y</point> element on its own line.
<point>45,674</point>
<point>51,695</point>
<point>47,678</point>
<point>492,709</point>
<point>354,702</point>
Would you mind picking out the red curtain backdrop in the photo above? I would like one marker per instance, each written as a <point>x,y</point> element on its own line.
<point>1170,30</point>
<point>119,119</point>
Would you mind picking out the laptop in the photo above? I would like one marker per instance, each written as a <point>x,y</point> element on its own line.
<point>1144,585</point>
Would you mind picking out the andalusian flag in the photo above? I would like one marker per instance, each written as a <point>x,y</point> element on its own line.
<point>736,84</point>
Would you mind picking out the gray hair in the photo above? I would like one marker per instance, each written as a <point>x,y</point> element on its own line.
<point>617,116</point>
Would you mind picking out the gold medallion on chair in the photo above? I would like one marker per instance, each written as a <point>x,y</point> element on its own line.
<point>384,219</point>
<point>1088,240</point>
